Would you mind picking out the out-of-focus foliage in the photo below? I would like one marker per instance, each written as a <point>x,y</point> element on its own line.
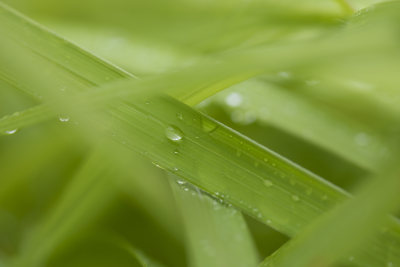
<point>199,133</point>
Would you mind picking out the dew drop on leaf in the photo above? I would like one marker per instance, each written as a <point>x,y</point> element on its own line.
<point>180,182</point>
<point>13,131</point>
<point>179,116</point>
<point>268,183</point>
<point>173,134</point>
<point>63,118</point>
<point>295,198</point>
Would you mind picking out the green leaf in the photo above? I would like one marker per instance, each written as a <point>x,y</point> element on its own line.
<point>326,241</point>
<point>87,195</point>
<point>217,233</point>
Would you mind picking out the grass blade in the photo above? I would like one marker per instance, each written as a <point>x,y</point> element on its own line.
<point>326,241</point>
<point>217,234</point>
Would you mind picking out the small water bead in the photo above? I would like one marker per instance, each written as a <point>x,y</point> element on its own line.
<point>295,198</point>
<point>176,152</point>
<point>268,221</point>
<point>209,126</point>
<point>175,169</point>
<point>157,165</point>
<point>180,182</point>
<point>173,134</point>
<point>268,183</point>
<point>324,197</point>
<point>63,118</point>
<point>13,131</point>
<point>179,116</point>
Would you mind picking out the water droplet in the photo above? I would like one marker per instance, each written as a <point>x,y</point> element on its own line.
<point>234,99</point>
<point>176,152</point>
<point>147,102</point>
<point>180,182</point>
<point>13,131</point>
<point>175,169</point>
<point>179,116</point>
<point>265,160</point>
<point>295,198</point>
<point>185,189</point>
<point>268,221</point>
<point>362,139</point>
<point>268,183</point>
<point>173,134</point>
<point>63,118</point>
<point>209,126</point>
<point>157,165</point>
<point>324,197</point>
